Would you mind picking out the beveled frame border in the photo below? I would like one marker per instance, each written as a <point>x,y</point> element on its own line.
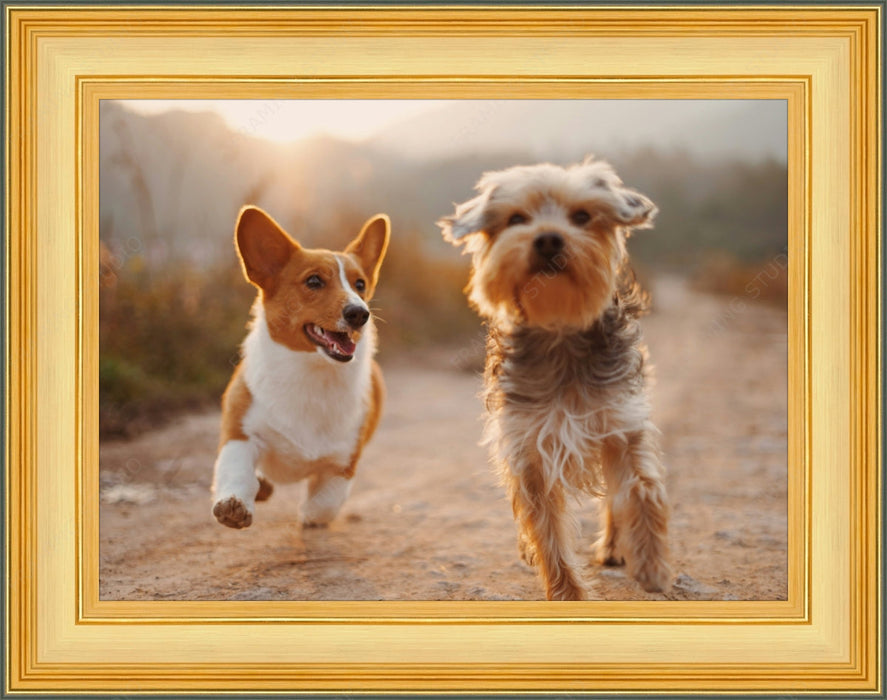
<point>825,64</point>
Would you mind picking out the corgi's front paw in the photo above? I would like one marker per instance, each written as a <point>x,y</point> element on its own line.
<point>233,512</point>
<point>325,498</point>
<point>313,517</point>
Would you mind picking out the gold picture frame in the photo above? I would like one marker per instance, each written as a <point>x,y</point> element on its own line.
<point>824,61</point>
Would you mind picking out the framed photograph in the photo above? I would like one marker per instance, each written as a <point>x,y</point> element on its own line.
<point>172,310</point>
<point>125,130</point>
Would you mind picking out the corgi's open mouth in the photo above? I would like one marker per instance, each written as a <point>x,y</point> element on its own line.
<point>339,346</point>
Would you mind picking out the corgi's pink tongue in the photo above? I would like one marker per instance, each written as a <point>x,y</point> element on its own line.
<point>337,345</point>
<point>340,343</point>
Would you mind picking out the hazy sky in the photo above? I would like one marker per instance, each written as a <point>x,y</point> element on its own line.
<point>751,129</point>
<point>291,120</point>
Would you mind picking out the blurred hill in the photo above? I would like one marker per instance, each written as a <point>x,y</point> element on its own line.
<point>172,183</point>
<point>173,302</point>
<point>707,130</point>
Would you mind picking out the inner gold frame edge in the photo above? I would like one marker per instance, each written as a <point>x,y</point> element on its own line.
<point>793,89</point>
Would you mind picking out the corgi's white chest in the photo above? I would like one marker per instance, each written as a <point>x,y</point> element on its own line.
<point>305,407</point>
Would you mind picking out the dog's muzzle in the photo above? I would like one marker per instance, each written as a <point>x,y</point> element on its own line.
<point>548,245</point>
<point>355,316</point>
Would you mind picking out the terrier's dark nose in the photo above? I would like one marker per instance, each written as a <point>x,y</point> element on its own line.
<point>355,315</point>
<point>548,244</point>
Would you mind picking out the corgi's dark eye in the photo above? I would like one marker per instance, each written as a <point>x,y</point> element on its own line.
<point>580,218</point>
<point>314,282</point>
<point>360,286</point>
<point>517,219</point>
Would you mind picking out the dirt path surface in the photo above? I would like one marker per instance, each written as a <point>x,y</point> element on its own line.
<point>427,520</point>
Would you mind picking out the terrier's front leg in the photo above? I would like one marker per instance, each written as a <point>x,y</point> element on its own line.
<point>605,549</point>
<point>526,549</point>
<point>636,487</point>
<point>235,484</point>
<point>546,531</point>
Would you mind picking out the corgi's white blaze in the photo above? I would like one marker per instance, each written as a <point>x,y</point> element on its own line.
<point>353,296</point>
<point>305,409</point>
<point>235,473</point>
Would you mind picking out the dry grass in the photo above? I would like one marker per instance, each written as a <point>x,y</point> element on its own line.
<point>765,281</point>
<point>169,339</point>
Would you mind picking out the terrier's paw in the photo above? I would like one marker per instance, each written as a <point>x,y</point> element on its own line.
<point>527,551</point>
<point>233,513</point>
<point>605,554</point>
<point>612,560</point>
<point>654,576</point>
<point>566,589</point>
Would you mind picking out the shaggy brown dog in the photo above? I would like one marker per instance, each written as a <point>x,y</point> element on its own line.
<point>565,376</point>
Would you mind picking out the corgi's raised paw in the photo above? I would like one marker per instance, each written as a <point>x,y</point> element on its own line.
<point>233,513</point>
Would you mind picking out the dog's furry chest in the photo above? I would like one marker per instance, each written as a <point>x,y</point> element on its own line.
<point>539,368</point>
<point>306,413</point>
<point>561,395</point>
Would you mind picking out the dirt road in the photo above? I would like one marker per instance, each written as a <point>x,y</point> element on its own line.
<point>427,520</point>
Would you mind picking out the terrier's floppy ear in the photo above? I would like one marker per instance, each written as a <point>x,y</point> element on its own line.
<point>632,209</point>
<point>263,246</point>
<point>370,245</point>
<point>626,206</point>
<point>469,218</point>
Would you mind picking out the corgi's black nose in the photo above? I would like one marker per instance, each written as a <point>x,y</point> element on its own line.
<point>355,315</point>
<point>548,244</point>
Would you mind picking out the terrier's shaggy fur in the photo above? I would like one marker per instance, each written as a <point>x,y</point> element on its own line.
<point>566,368</point>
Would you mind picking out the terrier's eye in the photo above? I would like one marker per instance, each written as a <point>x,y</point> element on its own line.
<point>360,286</point>
<point>516,219</point>
<point>580,218</point>
<point>314,282</point>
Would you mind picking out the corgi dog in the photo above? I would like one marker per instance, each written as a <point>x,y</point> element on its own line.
<point>307,395</point>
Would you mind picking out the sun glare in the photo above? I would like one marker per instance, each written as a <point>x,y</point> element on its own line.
<point>290,120</point>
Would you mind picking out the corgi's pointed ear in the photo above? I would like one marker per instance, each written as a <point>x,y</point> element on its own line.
<point>370,245</point>
<point>263,246</point>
